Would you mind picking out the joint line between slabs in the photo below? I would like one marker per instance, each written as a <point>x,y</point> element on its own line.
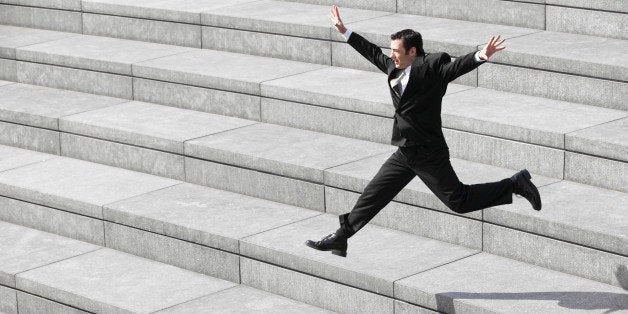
<point>64,259</point>
<point>42,297</point>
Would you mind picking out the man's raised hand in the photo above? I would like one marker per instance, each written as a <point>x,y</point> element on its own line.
<point>493,46</point>
<point>334,15</point>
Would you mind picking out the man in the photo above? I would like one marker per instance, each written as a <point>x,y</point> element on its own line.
<point>417,83</point>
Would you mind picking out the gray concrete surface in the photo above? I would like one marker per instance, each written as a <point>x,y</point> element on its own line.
<point>58,20</point>
<point>12,37</point>
<point>8,70</point>
<point>30,304</point>
<point>76,186</point>
<point>12,157</point>
<point>243,299</point>
<point>606,140</point>
<point>283,151</point>
<point>24,249</point>
<point>313,290</point>
<point>605,173</point>
<point>108,281</point>
<point>31,138</point>
<point>590,22</point>
<point>376,257</point>
<point>73,5</point>
<point>8,300</point>
<point>488,283</point>
<point>610,5</point>
<point>203,215</point>
<point>42,106</point>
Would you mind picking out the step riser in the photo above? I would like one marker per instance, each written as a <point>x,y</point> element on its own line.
<point>141,29</point>
<point>554,254</point>
<point>186,255</point>
<point>28,303</point>
<point>416,220</point>
<point>486,11</point>
<point>51,220</point>
<point>589,22</point>
<point>598,92</point>
<point>8,300</point>
<point>312,290</point>
<point>41,140</point>
<point>8,70</point>
<point>596,171</point>
<point>58,20</point>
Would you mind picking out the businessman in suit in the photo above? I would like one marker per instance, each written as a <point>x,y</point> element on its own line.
<point>417,82</point>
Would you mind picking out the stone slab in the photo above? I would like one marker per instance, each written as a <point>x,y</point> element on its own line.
<point>51,220</point>
<point>608,140</point>
<point>76,186</point>
<point>608,5</point>
<point>519,117</point>
<point>553,85</point>
<point>412,219</point>
<point>326,120</point>
<point>148,125</point>
<point>281,17</point>
<point>11,157</point>
<point>254,183</point>
<point>281,150</point>
<point>268,45</point>
<point>30,304</point>
<point>590,22</point>
<point>12,37</point>
<point>183,11</point>
<point>58,20</point>
<point>455,37</point>
<point>42,106</point>
<point>3,83</point>
<point>557,255</point>
<point>355,176</point>
<point>243,299</point>
<point>568,53</point>
<point>591,170</point>
<point>382,5</point>
<point>97,83</point>
<point>197,98</point>
<point>110,55</point>
<point>143,30</point>
<point>488,283</point>
<point>107,280</point>
<point>313,290</point>
<point>203,215</point>
<point>220,70</point>
<point>572,212</point>
<point>31,138</point>
<point>118,155</point>
<point>73,5</point>
<point>8,70</point>
<point>512,13</point>
<point>8,300</point>
<point>407,308</point>
<point>175,252</point>
<point>24,249</point>
<point>505,153</point>
<point>376,257</point>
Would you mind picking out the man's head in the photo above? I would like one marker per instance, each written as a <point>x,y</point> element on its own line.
<point>405,45</point>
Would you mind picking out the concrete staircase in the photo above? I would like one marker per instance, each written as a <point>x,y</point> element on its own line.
<point>175,155</point>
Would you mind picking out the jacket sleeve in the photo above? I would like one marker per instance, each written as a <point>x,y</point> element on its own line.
<point>452,70</point>
<point>370,51</point>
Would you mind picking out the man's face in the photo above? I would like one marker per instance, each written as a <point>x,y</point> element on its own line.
<point>398,53</point>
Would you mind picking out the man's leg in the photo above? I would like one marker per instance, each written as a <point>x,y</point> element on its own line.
<point>391,178</point>
<point>439,176</point>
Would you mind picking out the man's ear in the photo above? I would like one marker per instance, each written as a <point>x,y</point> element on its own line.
<point>412,51</point>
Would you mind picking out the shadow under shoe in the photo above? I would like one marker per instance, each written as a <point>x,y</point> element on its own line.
<point>524,187</point>
<point>336,244</point>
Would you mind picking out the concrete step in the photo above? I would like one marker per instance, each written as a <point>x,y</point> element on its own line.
<point>488,283</point>
<point>599,18</point>
<point>68,275</point>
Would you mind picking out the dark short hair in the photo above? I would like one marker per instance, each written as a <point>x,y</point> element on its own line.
<point>410,39</point>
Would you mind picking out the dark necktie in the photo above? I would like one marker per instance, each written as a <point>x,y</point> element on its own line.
<point>397,86</point>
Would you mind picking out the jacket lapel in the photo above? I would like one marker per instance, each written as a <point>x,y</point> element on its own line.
<point>417,74</point>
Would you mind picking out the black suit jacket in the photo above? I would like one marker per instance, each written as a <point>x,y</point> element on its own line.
<point>417,119</point>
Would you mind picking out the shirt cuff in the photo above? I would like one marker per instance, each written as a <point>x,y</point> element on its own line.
<point>347,34</point>
<point>476,56</point>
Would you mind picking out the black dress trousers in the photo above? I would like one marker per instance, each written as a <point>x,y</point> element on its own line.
<point>433,167</point>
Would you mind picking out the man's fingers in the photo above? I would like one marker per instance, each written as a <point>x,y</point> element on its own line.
<point>501,42</point>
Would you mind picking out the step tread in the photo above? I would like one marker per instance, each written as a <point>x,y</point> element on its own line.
<point>11,157</point>
<point>112,55</point>
<point>24,249</point>
<point>610,5</point>
<point>606,140</point>
<point>12,37</point>
<point>150,125</point>
<point>203,215</point>
<point>486,282</point>
<point>572,212</point>
<point>77,186</point>
<point>42,106</point>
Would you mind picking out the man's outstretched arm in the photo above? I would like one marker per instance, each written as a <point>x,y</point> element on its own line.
<point>452,70</point>
<point>367,49</point>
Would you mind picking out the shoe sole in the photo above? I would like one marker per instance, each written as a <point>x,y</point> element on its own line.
<point>537,195</point>
<point>335,252</point>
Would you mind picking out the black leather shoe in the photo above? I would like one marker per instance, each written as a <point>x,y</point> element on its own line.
<point>337,245</point>
<point>524,187</point>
